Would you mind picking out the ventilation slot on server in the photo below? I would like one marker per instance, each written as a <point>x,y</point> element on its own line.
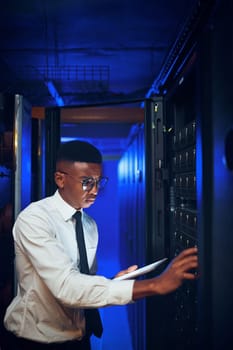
<point>184,230</point>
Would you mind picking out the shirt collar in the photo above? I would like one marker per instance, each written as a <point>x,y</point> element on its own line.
<point>66,210</point>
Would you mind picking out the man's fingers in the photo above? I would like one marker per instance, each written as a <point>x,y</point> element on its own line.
<point>185,257</point>
<point>190,263</point>
<point>185,264</point>
<point>132,268</point>
<point>187,252</point>
<point>129,269</point>
<point>189,276</point>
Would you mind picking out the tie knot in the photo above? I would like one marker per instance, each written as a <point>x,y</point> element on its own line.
<point>77,215</point>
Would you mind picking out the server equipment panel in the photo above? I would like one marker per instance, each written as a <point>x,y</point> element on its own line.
<point>184,230</point>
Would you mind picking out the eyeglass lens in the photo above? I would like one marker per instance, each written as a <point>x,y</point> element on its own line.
<point>89,183</point>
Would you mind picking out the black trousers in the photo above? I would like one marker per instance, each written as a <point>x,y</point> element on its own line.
<point>16,343</point>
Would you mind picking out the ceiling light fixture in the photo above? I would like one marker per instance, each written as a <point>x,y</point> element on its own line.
<point>54,93</point>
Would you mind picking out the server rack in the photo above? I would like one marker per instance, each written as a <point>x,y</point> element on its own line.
<point>215,186</point>
<point>171,209</point>
<point>198,110</point>
<point>6,206</point>
<point>15,186</point>
<point>156,218</point>
<point>183,205</point>
<point>131,179</point>
<point>52,142</point>
<point>172,172</point>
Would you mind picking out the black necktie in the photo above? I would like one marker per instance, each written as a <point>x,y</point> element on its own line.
<point>93,320</point>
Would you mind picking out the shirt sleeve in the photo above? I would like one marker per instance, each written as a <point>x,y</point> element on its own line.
<point>41,259</point>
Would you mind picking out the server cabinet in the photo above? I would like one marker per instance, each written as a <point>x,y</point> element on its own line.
<point>52,142</point>
<point>6,205</point>
<point>38,159</point>
<point>15,186</point>
<point>162,220</point>
<point>171,209</point>
<point>156,218</point>
<point>215,185</point>
<point>131,178</point>
<point>198,196</point>
<point>22,154</point>
<point>46,140</point>
<point>155,179</point>
<point>182,112</point>
<point>175,176</point>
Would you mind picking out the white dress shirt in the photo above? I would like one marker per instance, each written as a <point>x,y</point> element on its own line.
<point>52,292</point>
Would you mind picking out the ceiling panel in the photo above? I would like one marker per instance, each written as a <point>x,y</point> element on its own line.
<point>86,52</point>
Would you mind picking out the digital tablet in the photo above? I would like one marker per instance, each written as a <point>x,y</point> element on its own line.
<point>141,271</point>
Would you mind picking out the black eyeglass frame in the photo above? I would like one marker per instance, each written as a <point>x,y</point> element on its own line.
<point>99,183</point>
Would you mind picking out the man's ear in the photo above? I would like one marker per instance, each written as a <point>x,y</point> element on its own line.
<point>59,179</point>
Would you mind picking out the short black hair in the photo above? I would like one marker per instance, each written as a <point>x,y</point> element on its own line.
<point>79,151</point>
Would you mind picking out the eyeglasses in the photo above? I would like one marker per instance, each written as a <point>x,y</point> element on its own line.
<point>89,182</point>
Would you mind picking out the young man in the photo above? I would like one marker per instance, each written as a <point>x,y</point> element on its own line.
<point>49,310</point>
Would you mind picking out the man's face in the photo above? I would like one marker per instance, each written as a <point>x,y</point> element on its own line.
<point>69,178</point>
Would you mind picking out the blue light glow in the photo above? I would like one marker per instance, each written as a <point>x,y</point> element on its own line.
<point>54,93</point>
